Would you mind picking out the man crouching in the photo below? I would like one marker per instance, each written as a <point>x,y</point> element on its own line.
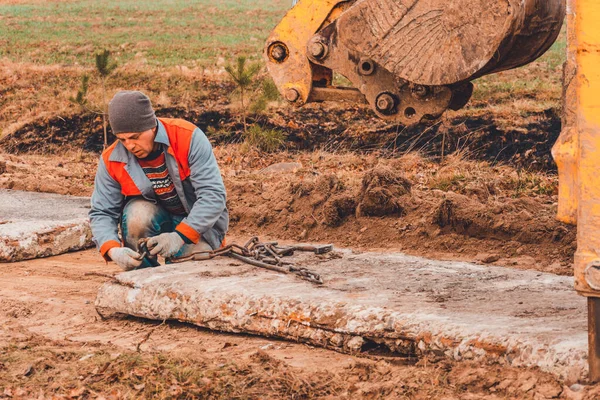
<point>159,180</point>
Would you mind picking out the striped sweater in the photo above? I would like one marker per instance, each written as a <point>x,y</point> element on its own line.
<point>156,170</point>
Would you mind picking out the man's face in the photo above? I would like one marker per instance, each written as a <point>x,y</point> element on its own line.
<point>140,144</point>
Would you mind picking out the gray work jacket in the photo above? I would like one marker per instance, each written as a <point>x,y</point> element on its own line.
<point>202,193</point>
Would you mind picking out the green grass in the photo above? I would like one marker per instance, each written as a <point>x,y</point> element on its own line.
<point>541,79</point>
<point>165,32</point>
<point>556,55</point>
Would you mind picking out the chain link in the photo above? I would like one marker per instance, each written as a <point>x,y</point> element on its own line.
<point>264,255</point>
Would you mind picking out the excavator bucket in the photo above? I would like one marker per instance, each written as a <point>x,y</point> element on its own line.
<point>409,59</point>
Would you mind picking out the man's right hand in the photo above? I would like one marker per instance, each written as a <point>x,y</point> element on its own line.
<point>125,257</point>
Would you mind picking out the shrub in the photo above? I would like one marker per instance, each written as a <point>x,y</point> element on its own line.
<point>267,140</point>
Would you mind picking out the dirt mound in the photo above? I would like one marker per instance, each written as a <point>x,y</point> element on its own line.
<point>337,208</point>
<point>509,220</point>
<point>86,132</point>
<point>381,192</point>
<point>57,134</point>
<point>67,173</point>
<point>525,144</point>
<point>381,207</point>
<point>461,214</point>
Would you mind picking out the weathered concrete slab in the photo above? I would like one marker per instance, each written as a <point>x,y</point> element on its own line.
<point>409,304</point>
<point>41,224</point>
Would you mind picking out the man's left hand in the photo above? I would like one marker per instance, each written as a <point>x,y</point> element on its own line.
<point>165,244</point>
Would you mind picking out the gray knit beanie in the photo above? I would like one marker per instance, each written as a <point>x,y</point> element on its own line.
<point>130,111</point>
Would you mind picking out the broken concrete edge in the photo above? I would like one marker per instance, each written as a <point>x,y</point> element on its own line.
<point>408,335</point>
<point>36,240</point>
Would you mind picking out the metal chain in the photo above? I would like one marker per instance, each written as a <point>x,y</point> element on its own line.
<point>264,255</point>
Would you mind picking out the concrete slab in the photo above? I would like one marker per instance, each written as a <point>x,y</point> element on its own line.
<point>410,305</point>
<point>41,224</point>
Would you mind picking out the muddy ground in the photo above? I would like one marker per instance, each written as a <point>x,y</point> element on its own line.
<point>53,343</point>
<point>472,188</point>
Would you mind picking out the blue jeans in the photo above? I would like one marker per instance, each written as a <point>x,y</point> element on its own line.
<point>143,219</point>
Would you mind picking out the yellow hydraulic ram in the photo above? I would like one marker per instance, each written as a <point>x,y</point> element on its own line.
<point>409,59</point>
<point>577,154</point>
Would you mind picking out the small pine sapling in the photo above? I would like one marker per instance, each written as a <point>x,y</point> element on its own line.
<point>243,73</point>
<point>104,67</point>
<point>268,92</point>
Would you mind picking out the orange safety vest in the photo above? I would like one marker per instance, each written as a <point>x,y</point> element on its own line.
<point>180,137</point>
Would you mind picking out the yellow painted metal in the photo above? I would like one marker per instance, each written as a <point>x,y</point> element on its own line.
<point>587,29</point>
<point>566,149</point>
<point>565,152</point>
<point>294,31</point>
<point>338,10</point>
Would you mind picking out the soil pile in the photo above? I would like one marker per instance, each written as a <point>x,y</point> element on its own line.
<point>524,144</point>
<point>381,207</point>
<point>381,193</point>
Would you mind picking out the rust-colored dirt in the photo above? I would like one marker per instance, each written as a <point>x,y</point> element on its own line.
<point>52,343</point>
<point>362,184</point>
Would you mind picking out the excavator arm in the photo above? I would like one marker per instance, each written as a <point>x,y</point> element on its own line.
<point>408,59</point>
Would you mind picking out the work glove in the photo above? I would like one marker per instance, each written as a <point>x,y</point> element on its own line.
<point>125,257</point>
<point>165,244</point>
